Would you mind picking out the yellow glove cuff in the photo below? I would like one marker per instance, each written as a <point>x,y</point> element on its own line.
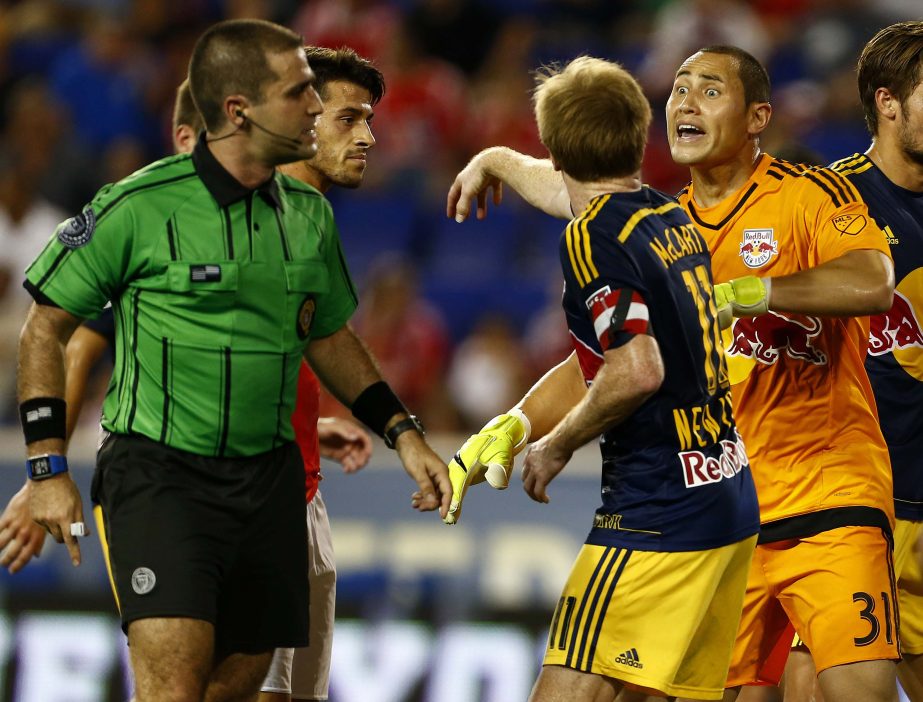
<point>751,296</point>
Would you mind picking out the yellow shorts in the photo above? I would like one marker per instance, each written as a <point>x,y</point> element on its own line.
<point>654,621</point>
<point>837,589</point>
<point>907,556</point>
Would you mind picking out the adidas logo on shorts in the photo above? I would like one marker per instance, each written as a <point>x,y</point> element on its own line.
<point>630,658</point>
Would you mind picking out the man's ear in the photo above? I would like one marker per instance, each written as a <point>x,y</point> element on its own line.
<point>758,119</point>
<point>886,104</point>
<point>184,138</point>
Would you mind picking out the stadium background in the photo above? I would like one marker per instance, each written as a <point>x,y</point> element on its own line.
<point>463,317</point>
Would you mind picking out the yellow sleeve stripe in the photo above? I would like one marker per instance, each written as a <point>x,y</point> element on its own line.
<point>585,231</point>
<point>578,243</point>
<point>575,261</point>
<point>847,162</point>
<point>852,171</point>
<point>641,214</point>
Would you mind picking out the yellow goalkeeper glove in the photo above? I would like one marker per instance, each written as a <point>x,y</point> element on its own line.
<point>741,297</point>
<point>488,455</point>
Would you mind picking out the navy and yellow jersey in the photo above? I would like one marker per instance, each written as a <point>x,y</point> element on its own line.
<point>895,354</point>
<point>675,474</point>
<point>216,289</point>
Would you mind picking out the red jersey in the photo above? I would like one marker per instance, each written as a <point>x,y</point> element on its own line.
<point>304,422</point>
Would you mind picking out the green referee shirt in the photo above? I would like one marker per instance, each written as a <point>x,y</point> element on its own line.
<point>216,291</point>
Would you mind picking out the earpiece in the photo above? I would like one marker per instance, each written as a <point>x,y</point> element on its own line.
<point>240,113</point>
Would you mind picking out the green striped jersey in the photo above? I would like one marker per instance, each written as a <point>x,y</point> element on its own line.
<point>216,291</point>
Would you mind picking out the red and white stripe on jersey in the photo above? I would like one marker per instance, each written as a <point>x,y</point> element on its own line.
<point>613,311</point>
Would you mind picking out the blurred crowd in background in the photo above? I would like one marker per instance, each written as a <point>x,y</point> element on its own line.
<point>463,318</point>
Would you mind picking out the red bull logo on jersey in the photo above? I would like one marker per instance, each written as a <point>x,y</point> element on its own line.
<point>898,328</point>
<point>766,337</point>
<point>758,247</point>
<point>700,469</point>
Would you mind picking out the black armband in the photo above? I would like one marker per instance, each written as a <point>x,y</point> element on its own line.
<point>43,418</point>
<point>376,405</point>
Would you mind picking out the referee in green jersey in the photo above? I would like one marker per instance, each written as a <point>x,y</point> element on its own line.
<point>222,272</point>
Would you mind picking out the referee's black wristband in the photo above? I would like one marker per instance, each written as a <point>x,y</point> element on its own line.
<point>43,418</point>
<point>376,405</point>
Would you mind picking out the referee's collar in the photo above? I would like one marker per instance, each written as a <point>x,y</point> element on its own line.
<point>224,187</point>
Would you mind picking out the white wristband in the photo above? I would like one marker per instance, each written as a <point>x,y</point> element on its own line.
<point>521,416</point>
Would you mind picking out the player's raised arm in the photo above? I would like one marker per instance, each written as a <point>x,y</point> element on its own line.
<point>536,180</point>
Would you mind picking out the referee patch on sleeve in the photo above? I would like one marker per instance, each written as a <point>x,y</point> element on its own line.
<point>78,230</point>
<point>615,311</point>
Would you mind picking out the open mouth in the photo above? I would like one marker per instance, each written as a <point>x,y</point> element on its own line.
<point>688,131</point>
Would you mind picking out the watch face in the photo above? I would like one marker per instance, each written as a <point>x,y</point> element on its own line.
<point>40,467</point>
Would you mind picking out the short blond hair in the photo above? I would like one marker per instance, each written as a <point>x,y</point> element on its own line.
<point>592,117</point>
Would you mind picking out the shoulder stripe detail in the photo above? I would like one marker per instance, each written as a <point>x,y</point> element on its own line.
<point>860,168</point>
<point>585,234</point>
<point>835,182</point>
<point>578,243</point>
<point>146,186</point>
<point>843,186</point>
<point>701,222</point>
<point>847,162</point>
<point>833,196</point>
<point>825,182</point>
<point>774,174</point>
<point>575,261</point>
<point>641,214</point>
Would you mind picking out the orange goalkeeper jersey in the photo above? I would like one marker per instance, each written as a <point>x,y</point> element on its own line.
<point>801,395</point>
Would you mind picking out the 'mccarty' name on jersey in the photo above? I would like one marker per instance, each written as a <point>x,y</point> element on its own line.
<point>675,473</point>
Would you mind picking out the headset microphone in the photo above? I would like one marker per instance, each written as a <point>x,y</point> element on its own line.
<point>241,113</point>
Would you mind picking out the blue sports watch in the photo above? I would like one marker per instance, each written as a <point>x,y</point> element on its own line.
<point>45,466</point>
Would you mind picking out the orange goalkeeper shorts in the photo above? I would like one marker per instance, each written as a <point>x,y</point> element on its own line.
<point>837,589</point>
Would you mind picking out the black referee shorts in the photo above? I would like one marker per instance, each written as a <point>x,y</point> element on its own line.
<point>218,539</point>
